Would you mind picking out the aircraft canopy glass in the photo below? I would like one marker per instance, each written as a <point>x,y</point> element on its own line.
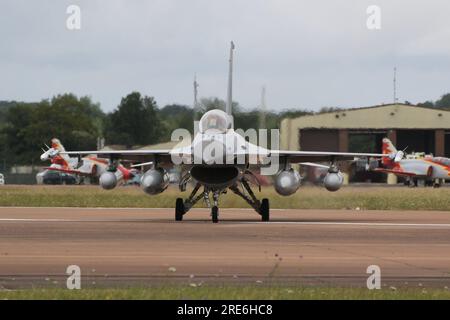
<point>214,121</point>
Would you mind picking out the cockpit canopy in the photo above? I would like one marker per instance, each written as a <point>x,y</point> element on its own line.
<point>214,121</point>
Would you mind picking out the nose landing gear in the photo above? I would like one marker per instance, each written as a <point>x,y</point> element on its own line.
<point>215,207</point>
<point>182,207</point>
<point>215,214</point>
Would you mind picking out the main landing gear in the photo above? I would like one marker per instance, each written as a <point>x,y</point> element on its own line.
<point>182,207</point>
<point>261,207</point>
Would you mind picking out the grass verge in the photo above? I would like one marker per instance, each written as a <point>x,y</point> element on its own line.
<point>228,292</point>
<point>349,197</point>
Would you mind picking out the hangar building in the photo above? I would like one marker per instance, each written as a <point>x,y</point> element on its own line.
<point>420,129</point>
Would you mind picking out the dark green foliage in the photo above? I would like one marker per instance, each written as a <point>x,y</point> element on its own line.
<point>176,116</point>
<point>29,125</point>
<point>443,102</point>
<point>134,122</point>
<point>426,104</point>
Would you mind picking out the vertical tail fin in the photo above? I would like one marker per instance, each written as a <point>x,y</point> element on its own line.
<point>388,148</point>
<point>62,159</point>
<point>230,82</point>
<point>56,144</point>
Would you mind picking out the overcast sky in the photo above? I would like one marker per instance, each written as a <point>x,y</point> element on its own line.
<point>308,54</point>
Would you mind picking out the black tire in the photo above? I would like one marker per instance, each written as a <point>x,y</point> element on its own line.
<point>264,210</point>
<point>179,209</point>
<point>215,214</point>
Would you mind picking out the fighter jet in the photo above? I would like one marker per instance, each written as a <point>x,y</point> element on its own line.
<point>218,159</point>
<point>419,171</point>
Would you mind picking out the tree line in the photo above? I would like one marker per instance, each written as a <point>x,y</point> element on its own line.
<point>136,121</point>
<point>79,122</point>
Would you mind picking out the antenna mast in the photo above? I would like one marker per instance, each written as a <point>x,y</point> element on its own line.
<point>262,113</point>
<point>395,85</point>
<point>195,97</point>
<point>230,81</point>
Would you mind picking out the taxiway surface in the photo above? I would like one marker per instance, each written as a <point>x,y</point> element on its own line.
<point>116,247</point>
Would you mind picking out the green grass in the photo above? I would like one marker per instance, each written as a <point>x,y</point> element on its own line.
<point>228,292</point>
<point>350,197</point>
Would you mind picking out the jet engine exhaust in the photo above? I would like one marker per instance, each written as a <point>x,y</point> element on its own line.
<point>215,176</point>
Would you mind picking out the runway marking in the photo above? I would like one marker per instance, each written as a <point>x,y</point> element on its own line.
<point>89,208</point>
<point>134,208</point>
<point>38,220</point>
<point>228,222</point>
<point>380,224</point>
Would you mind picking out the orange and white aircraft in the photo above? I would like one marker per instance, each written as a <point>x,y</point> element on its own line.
<point>89,166</point>
<point>424,170</point>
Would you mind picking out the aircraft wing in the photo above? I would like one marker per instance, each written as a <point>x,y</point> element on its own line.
<point>77,172</point>
<point>322,156</point>
<point>162,156</point>
<point>315,165</point>
<point>400,173</point>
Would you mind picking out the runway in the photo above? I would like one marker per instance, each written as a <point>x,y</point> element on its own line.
<point>123,247</point>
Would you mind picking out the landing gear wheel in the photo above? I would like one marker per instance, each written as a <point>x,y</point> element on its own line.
<point>179,209</point>
<point>215,214</point>
<point>264,210</point>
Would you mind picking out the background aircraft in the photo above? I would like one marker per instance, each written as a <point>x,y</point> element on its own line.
<point>88,166</point>
<point>227,165</point>
<point>428,169</point>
